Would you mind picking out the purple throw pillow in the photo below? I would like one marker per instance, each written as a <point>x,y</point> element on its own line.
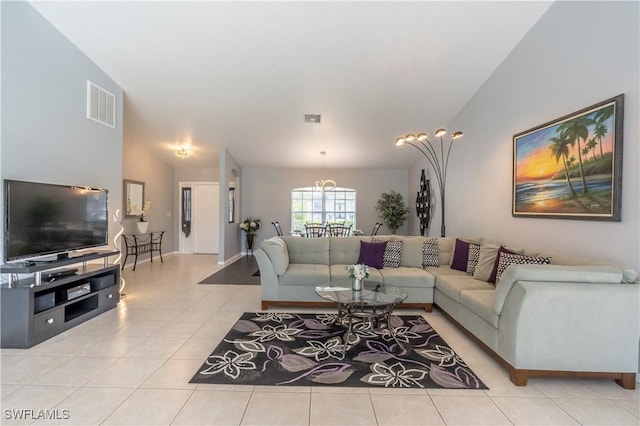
<point>494,271</point>
<point>460,255</point>
<point>372,254</point>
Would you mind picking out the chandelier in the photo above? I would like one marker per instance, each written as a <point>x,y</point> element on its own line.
<point>325,184</point>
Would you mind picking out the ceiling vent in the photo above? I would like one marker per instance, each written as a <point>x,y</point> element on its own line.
<point>101,105</point>
<point>312,118</point>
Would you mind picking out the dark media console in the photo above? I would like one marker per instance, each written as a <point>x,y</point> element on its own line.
<point>50,301</point>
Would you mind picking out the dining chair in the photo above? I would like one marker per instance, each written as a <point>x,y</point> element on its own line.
<point>276,225</point>
<point>339,230</point>
<point>314,231</point>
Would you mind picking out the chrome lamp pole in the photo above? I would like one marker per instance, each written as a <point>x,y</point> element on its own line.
<point>439,163</point>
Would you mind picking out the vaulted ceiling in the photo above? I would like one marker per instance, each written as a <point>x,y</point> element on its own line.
<point>241,75</point>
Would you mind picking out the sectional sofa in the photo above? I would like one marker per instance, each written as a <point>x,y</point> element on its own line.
<point>548,314</point>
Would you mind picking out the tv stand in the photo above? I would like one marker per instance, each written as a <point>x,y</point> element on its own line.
<point>33,310</point>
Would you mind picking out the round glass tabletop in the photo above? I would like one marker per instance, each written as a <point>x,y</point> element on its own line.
<point>381,295</point>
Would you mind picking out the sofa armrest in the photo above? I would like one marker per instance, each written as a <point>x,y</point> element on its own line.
<point>553,273</point>
<point>268,277</point>
<point>571,326</point>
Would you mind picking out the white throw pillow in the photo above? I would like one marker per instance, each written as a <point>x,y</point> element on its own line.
<point>277,251</point>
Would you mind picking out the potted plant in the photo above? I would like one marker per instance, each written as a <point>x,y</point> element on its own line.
<point>392,210</point>
<point>250,227</point>
<point>143,224</point>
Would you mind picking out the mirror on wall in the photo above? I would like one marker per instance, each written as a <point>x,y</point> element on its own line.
<point>133,198</point>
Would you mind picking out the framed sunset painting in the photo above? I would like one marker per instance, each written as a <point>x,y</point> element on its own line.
<point>571,168</point>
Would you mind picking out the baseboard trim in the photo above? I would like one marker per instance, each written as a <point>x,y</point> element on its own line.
<point>231,259</point>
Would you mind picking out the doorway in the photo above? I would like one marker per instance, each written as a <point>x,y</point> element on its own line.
<point>202,213</point>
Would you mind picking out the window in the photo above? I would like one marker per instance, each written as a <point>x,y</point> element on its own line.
<point>332,206</point>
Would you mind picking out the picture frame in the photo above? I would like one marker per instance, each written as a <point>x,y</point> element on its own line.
<point>571,167</point>
<point>133,197</point>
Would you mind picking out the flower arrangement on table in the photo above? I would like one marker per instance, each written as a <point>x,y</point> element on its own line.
<point>144,211</point>
<point>135,210</point>
<point>250,226</point>
<point>358,272</point>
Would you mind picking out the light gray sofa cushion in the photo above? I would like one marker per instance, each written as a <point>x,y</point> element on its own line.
<point>308,250</point>
<point>412,252</point>
<point>276,249</point>
<point>452,285</point>
<point>436,271</point>
<point>481,303</point>
<point>306,274</point>
<point>445,249</point>
<point>407,277</point>
<point>344,251</point>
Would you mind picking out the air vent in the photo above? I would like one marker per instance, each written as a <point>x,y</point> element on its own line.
<point>101,105</point>
<point>312,118</point>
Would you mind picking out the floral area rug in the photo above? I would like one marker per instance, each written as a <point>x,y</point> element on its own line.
<point>307,350</point>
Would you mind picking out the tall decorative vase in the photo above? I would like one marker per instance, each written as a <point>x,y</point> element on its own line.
<point>249,242</point>
<point>357,285</point>
<point>142,227</point>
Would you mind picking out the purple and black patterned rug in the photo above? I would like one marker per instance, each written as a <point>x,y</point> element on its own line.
<point>307,350</point>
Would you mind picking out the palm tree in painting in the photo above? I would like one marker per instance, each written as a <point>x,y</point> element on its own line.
<point>577,129</point>
<point>591,145</point>
<point>600,129</point>
<point>560,149</point>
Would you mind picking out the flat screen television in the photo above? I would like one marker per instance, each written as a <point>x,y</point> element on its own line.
<point>43,219</point>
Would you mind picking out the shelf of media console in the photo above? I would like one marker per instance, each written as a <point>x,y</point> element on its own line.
<point>38,267</point>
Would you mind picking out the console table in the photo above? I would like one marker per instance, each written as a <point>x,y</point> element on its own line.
<point>137,244</point>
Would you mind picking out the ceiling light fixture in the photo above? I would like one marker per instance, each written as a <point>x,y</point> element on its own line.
<point>325,184</point>
<point>439,162</point>
<point>183,151</point>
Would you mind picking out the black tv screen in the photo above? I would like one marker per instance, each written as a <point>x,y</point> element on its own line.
<point>43,218</point>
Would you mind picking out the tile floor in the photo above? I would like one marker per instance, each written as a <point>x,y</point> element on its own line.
<point>132,365</point>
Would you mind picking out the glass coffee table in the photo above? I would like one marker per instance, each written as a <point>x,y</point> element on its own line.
<point>374,304</point>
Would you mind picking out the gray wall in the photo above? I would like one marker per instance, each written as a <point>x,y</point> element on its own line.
<point>45,134</point>
<point>230,173</point>
<point>266,193</point>
<point>579,53</point>
<point>139,164</point>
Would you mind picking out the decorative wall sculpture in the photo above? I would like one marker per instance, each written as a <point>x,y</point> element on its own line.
<point>423,204</point>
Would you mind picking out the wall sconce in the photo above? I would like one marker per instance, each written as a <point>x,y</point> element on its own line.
<point>439,162</point>
<point>183,151</point>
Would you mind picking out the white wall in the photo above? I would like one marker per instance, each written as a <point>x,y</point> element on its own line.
<point>266,194</point>
<point>45,134</point>
<point>579,53</point>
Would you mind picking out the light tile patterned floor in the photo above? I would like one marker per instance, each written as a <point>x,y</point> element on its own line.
<point>132,365</point>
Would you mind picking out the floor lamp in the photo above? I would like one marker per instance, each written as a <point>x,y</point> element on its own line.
<point>438,160</point>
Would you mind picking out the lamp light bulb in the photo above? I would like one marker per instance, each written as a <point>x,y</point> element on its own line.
<point>440,132</point>
<point>422,137</point>
<point>410,137</point>
<point>400,141</point>
<point>457,135</point>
